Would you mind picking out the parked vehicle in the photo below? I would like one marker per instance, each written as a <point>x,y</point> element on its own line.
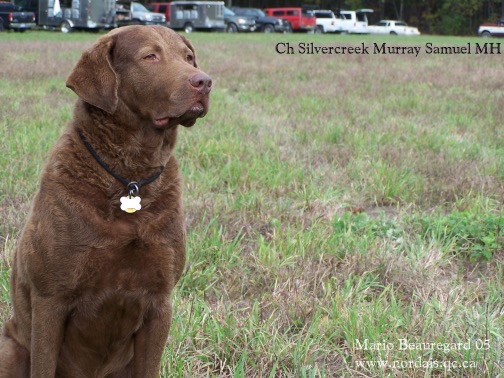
<point>299,19</point>
<point>68,15</point>
<point>265,23</point>
<point>163,8</point>
<point>133,13</point>
<point>393,27</point>
<point>235,23</point>
<point>13,18</point>
<point>197,15</point>
<point>328,22</point>
<point>356,22</point>
<point>29,6</point>
<point>492,29</point>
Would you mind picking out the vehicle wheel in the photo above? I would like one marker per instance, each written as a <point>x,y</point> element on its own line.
<point>393,33</point>
<point>319,29</point>
<point>268,28</point>
<point>486,34</point>
<point>288,29</point>
<point>65,27</point>
<point>232,28</point>
<point>1,27</point>
<point>188,28</point>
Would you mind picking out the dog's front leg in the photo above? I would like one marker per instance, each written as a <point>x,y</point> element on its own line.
<point>150,341</point>
<point>48,322</point>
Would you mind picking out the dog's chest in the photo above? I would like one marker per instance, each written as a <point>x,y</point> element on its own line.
<point>135,267</point>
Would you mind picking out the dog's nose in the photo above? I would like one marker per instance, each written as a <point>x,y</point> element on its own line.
<point>202,82</point>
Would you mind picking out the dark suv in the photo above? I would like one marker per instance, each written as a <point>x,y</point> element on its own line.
<point>237,23</point>
<point>264,23</point>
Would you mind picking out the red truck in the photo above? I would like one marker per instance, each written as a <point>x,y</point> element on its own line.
<point>299,18</point>
<point>163,8</point>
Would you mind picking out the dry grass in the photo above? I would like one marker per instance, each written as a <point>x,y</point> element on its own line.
<point>304,188</point>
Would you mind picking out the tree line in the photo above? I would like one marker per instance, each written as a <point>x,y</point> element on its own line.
<point>451,17</point>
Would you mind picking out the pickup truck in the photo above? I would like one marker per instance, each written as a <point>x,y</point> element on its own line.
<point>492,29</point>
<point>393,27</point>
<point>13,18</point>
<point>356,22</point>
<point>328,22</point>
<point>265,24</point>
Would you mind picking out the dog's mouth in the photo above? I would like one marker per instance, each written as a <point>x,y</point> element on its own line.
<point>161,122</point>
<point>186,119</point>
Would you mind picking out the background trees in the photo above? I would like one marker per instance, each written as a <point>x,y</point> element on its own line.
<point>455,17</point>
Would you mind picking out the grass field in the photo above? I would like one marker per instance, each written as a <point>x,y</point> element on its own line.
<point>344,211</point>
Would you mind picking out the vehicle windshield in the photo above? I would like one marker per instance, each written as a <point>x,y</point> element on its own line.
<point>228,12</point>
<point>137,7</point>
<point>322,14</point>
<point>253,12</point>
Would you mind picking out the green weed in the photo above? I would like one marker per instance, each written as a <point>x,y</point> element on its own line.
<point>468,235</point>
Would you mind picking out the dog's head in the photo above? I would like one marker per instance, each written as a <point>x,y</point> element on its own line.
<point>150,69</point>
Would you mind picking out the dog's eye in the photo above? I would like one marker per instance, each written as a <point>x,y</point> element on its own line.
<point>151,57</point>
<point>190,58</point>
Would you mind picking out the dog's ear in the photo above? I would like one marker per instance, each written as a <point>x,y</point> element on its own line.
<point>93,79</point>
<point>189,44</point>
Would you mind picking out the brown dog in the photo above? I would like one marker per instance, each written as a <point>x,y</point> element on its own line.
<point>91,283</point>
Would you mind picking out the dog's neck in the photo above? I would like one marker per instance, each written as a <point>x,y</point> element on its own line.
<point>133,146</point>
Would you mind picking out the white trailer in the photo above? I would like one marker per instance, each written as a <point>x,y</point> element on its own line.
<point>67,15</point>
<point>197,15</point>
